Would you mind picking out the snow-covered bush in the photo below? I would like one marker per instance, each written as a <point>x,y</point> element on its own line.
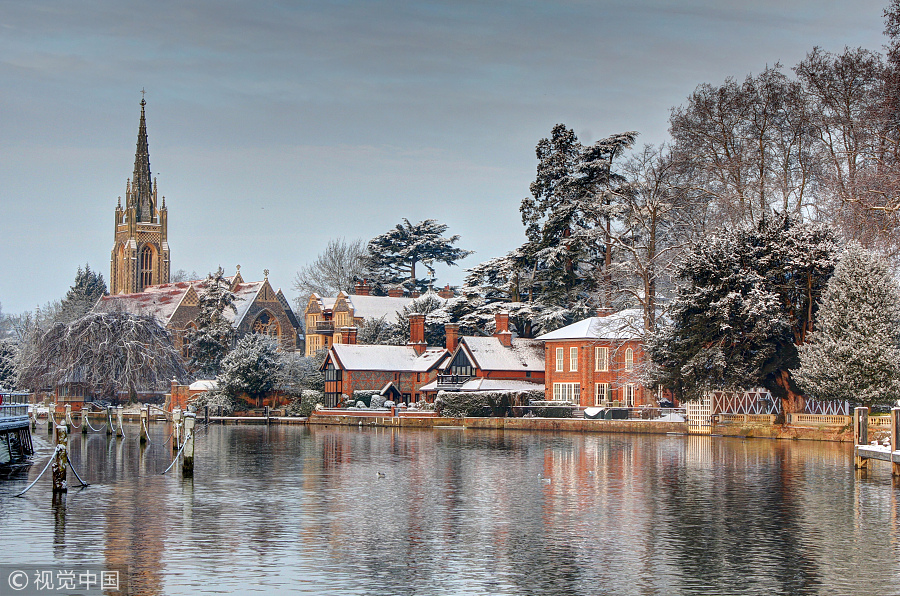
<point>251,367</point>
<point>215,399</point>
<point>458,404</point>
<point>365,396</point>
<point>377,401</point>
<point>305,403</point>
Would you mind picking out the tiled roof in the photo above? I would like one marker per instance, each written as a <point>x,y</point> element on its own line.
<point>488,353</point>
<point>623,325</point>
<point>386,358</point>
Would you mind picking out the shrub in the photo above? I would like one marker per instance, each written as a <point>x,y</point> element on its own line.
<point>365,396</point>
<point>305,403</point>
<point>215,398</point>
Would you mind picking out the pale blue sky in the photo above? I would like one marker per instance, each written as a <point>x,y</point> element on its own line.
<point>276,125</point>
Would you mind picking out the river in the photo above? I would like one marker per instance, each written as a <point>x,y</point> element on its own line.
<point>316,510</point>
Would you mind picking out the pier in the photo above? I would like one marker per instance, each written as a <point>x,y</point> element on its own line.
<point>865,451</point>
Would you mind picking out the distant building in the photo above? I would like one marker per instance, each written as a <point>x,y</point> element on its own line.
<point>598,361</point>
<point>495,363</point>
<point>350,367</point>
<point>326,317</point>
<point>260,309</point>
<point>140,253</point>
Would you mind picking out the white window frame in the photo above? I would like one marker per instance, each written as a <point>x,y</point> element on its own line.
<point>628,397</point>
<point>570,392</point>
<point>601,359</point>
<point>601,397</point>
<point>573,359</point>
<point>560,358</point>
<point>629,359</point>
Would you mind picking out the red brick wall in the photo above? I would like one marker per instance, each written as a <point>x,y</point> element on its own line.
<point>587,377</point>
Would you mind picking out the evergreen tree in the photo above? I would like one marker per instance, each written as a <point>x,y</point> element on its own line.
<point>393,256</point>
<point>747,302</point>
<point>251,367</point>
<point>213,337</point>
<point>854,352</point>
<point>89,287</point>
<point>9,353</point>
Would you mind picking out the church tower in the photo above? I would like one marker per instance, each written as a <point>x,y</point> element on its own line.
<point>140,255</point>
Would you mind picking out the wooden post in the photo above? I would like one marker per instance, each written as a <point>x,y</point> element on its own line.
<point>861,434</point>
<point>33,419</point>
<point>119,431</point>
<point>895,439</point>
<point>187,462</point>
<point>148,417</point>
<point>145,414</point>
<point>84,418</point>
<point>68,418</point>
<point>206,415</point>
<point>60,460</point>
<point>51,410</point>
<point>109,425</point>
<point>267,415</point>
<point>176,429</point>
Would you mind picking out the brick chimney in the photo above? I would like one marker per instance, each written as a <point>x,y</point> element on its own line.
<point>395,292</point>
<point>604,311</point>
<point>348,334</point>
<point>362,288</point>
<point>417,333</point>
<point>452,331</point>
<point>446,293</point>
<point>502,333</point>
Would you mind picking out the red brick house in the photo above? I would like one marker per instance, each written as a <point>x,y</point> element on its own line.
<point>598,361</point>
<point>496,363</point>
<point>350,367</point>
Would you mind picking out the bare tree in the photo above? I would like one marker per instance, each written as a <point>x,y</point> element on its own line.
<point>106,352</point>
<point>334,270</point>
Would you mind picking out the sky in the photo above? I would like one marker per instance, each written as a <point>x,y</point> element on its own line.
<point>276,125</point>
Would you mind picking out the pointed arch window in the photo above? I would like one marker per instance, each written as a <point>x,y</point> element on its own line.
<point>266,324</point>
<point>146,267</point>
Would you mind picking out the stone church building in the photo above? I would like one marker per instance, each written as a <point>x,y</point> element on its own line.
<point>140,266</point>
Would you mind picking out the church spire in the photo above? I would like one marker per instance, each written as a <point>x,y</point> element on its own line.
<point>142,198</point>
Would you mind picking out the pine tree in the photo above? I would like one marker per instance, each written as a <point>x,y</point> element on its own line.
<point>746,303</point>
<point>251,367</point>
<point>213,337</point>
<point>8,364</point>
<point>89,287</point>
<point>393,256</point>
<point>854,353</point>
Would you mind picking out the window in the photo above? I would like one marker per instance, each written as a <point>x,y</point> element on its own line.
<point>602,393</point>
<point>266,324</point>
<point>559,359</point>
<point>601,359</point>
<point>146,267</point>
<point>629,359</point>
<point>629,396</point>
<point>573,359</point>
<point>566,392</point>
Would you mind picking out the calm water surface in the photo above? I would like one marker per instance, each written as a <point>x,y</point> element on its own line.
<point>290,509</point>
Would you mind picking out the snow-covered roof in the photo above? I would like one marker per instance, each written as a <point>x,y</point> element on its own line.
<point>203,385</point>
<point>387,358</point>
<point>480,384</point>
<point>623,325</point>
<point>158,301</point>
<point>488,353</point>
<point>375,307</point>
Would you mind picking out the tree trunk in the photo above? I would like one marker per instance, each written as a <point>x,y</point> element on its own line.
<point>792,402</point>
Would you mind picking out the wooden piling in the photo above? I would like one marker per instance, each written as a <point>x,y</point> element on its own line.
<point>861,434</point>
<point>33,419</point>
<point>895,439</point>
<point>84,423</point>
<point>68,417</point>
<point>50,421</point>
<point>206,415</point>
<point>109,425</point>
<point>267,415</point>
<point>60,460</point>
<point>145,414</point>
<point>187,461</point>
<point>176,429</point>
<point>119,431</point>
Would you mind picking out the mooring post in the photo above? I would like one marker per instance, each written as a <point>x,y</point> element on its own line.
<point>109,424</point>
<point>50,421</point>
<point>176,429</point>
<point>861,434</point>
<point>267,415</point>
<point>895,440</point>
<point>148,416</point>
<point>60,460</point>
<point>206,415</point>
<point>68,417</point>
<point>145,414</point>
<point>187,462</point>
<point>84,425</point>
<point>33,418</point>
<point>119,431</point>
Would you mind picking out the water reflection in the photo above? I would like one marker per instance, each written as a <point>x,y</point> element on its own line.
<point>288,509</point>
